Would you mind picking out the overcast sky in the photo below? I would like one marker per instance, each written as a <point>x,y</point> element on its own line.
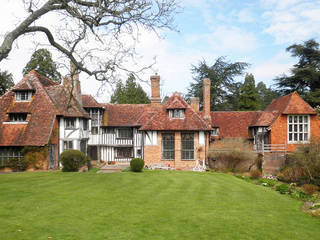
<point>254,31</point>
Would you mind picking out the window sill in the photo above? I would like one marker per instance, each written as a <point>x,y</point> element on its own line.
<point>167,159</point>
<point>187,159</point>
<point>299,142</point>
<point>15,122</point>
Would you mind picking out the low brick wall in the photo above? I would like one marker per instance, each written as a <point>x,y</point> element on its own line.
<point>272,162</point>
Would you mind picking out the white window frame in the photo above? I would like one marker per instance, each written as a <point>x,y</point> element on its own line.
<point>68,121</point>
<point>298,131</point>
<point>128,133</point>
<point>214,132</point>
<point>176,113</point>
<point>66,145</point>
<point>23,96</point>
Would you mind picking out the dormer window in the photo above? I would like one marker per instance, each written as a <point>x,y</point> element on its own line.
<point>70,123</point>
<point>176,113</point>
<point>214,132</point>
<point>18,117</point>
<point>23,96</point>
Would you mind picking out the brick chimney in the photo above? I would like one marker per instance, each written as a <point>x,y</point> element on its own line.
<point>206,98</point>
<point>74,84</point>
<point>194,102</point>
<point>155,90</point>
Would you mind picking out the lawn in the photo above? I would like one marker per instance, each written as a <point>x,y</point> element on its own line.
<point>150,205</point>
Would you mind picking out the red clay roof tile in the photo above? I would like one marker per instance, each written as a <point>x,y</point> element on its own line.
<point>89,102</point>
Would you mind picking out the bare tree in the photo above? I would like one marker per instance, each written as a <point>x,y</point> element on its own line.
<point>93,34</point>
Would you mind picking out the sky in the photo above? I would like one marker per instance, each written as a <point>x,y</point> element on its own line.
<point>254,31</point>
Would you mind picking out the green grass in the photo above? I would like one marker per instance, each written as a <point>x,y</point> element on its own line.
<point>149,205</point>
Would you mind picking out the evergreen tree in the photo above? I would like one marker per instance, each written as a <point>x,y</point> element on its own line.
<point>130,93</point>
<point>41,61</point>
<point>6,82</point>
<point>305,75</point>
<point>265,95</point>
<point>248,100</point>
<point>223,85</point>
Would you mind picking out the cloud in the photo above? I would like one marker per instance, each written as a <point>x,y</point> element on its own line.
<point>291,20</point>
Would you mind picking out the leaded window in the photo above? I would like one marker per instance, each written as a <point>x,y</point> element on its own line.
<point>168,146</point>
<point>67,145</point>
<point>298,128</point>
<point>187,146</point>
<point>18,117</point>
<point>70,123</point>
<point>124,133</point>
<point>176,113</point>
<point>124,152</point>
<point>23,96</point>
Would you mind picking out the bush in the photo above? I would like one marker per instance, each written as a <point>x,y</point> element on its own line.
<point>255,174</point>
<point>283,189</point>
<point>17,164</point>
<point>267,182</point>
<point>72,160</point>
<point>235,154</point>
<point>310,189</point>
<point>137,164</point>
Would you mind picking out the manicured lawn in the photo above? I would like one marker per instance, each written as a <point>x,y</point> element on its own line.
<point>149,205</point>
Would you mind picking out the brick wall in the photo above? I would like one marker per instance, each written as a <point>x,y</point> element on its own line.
<point>152,154</point>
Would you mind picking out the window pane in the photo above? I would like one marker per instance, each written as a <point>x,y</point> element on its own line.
<point>290,119</point>
<point>306,127</point>
<point>300,137</point>
<point>300,119</point>
<point>306,119</point>
<point>295,137</point>
<point>300,128</point>
<point>306,138</point>
<point>295,128</point>
<point>295,119</point>
<point>290,128</point>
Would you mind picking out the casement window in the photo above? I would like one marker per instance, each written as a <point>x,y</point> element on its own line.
<point>187,146</point>
<point>176,113</point>
<point>94,130</point>
<point>67,145</point>
<point>168,146</point>
<point>96,117</point>
<point>298,128</point>
<point>124,152</point>
<point>18,117</point>
<point>214,132</point>
<point>85,124</point>
<point>70,123</point>
<point>7,153</point>
<point>125,133</point>
<point>23,96</point>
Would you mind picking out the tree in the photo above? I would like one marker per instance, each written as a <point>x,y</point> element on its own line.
<point>265,95</point>
<point>87,29</point>
<point>248,100</point>
<point>221,74</point>
<point>41,61</point>
<point>130,93</point>
<point>6,82</point>
<point>305,75</point>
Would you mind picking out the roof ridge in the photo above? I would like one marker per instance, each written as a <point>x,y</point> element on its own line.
<point>290,97</point>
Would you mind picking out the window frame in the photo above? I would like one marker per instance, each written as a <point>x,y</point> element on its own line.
<point>128,152</point>
<point>178,113</point>
<point>164,150</point>
<point>18,117</point>
<point>67,143</point>
<point>214,132</point>
<point>27,96</point>
<point>187,151</point>
<point>296,129</point>
<point>125,136</point>
<point>85,123</point>
<point>69,120</point>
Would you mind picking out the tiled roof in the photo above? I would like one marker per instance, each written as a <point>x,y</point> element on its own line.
<point>47,102</point>
<point>192,120</point>
<point>265,119</point>
<point>234,124</point>
<point>64,105</point>
<point>129,115</point>
<point>89,102</point>
<point>176,102</point>
<point>290,104</point>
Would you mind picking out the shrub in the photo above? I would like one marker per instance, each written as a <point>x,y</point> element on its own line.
<point>136,164</point>
<point>267,182</point>
<point>310,189</point>
<point>234,154</point>
<point>72,160</point>
<point>255,174</point>
<point>283,189</point>
<point>17,164</point>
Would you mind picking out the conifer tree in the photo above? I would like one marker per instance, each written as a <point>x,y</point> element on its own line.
<point>248,100</point>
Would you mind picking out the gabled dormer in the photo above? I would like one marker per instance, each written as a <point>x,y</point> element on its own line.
<point>23,91</point>
<point>176,107</point>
